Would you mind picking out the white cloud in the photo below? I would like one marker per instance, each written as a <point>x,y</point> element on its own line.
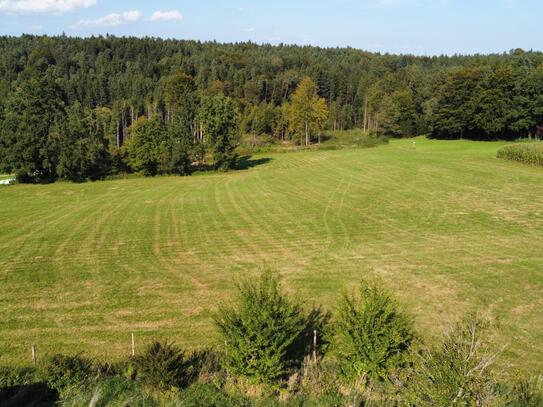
<point>43,6</point>
<point>112,20</point>
<point>171,15</point>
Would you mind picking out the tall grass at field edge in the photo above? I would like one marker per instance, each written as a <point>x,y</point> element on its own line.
<point>529,153</point>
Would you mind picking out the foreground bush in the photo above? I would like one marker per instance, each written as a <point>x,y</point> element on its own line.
<point>266,333</point>
<point>268,338</point>
<point>10,376</point>
<point>530,153</point>
<point>372,336</point>
<point>459,373</point>
<point>64,371</point>
<point>163,366</point>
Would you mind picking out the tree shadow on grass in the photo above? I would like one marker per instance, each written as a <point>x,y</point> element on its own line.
<point>246,162</point>
<point>242,163</point>
<point>325,137</point>
<point>34,395</point>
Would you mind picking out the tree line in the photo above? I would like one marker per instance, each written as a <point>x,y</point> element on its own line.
<point>79,109</point>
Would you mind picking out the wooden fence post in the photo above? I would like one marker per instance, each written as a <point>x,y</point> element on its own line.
<point>133,345</point>
<point>34,358</point>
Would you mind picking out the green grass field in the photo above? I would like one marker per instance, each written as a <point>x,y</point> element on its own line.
<point>447,226</point>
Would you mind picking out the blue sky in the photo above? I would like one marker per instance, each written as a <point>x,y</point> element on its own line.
<point>425,27</point>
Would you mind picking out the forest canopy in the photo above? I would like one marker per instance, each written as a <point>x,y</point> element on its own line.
<point>79,109</point>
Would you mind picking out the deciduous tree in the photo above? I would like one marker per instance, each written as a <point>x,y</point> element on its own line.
<point>308,112</point>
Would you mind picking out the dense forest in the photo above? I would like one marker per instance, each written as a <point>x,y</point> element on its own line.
<point>79,109</point>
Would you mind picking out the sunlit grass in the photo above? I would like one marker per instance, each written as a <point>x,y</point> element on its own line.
<point>446,225</point>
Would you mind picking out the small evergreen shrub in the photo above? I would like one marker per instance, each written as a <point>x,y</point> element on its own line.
<point>459,373</point>
<point>63,371</point>
<point>530,153</point>
<point>266,333</point>
<point>372,336</point>
<point>163,366</point>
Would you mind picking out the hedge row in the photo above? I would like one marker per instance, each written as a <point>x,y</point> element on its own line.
<point>530,153</point>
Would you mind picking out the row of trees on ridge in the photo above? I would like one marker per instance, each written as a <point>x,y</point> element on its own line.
<point>71,108</point>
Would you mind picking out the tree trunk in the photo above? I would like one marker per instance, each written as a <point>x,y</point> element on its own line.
<point>365,114</point>
<point>118,135</point>
<point>123,125</point>
<point>306,133</point>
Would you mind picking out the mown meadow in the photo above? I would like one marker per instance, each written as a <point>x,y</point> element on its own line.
<point>445,225</point>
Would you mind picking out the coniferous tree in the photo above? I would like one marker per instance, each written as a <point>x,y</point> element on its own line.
<point>30,113</point>
<point>182,103</point>
<point>219,116</point>
<point>83,150</point>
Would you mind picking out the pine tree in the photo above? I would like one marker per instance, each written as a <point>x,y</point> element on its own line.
<point>219,116</point>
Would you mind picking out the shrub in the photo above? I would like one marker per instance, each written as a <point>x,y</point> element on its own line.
<point>372,336</point>
<point>530,153</point>
<point>266,333</point>
<point>62,371</point>
<point>316,384</point>
<point>163,366</point>
<point>457,373</point>
<point>207,366</point>
<point>13,376</point>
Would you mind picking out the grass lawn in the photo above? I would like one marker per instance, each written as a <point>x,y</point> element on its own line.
<point>447,226</point>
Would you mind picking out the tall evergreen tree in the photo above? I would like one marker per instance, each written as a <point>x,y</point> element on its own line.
<point>181,102</point>
<point>219,116</point>
<point>30,113</point>
<point>83,149</point>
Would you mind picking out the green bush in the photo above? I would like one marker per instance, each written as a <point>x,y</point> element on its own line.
<point>63,371</point>
<point>530,153</point>
<point>316,384</point>
<point>163,366</point>
<point>266,333</point>
<point>459,373</point>
<point>372,336</point>
<point>207,366</point>
<point>15,376</point>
